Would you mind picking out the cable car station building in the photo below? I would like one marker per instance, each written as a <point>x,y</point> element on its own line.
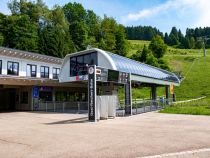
<point>102,72</point>
<point>88,79</point>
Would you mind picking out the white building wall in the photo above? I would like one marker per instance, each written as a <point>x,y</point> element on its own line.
<point>23,66</point>
<point>65,72</point>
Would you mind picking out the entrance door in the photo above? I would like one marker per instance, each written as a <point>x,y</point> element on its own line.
<point>7,99</point>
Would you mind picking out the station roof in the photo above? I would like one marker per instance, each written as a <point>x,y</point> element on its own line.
<point>137,68</point>
<point>29,55</point>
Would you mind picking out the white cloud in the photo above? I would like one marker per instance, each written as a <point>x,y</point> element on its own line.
<point>196,12</point>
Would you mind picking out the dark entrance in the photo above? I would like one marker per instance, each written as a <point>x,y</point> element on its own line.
<point>7,99</point>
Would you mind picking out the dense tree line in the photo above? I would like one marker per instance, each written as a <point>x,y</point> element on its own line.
<point>193,38</point>
<point>142,32</point>
<point>32,26</point>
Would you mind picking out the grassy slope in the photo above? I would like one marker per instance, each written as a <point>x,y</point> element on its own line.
<point>192,65</point>
<point>196,70</point>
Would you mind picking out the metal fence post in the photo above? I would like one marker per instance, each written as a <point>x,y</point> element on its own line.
<point>46,106</point>
<point>54,105</point>
<point>78,105</point>
<point>63,106</point>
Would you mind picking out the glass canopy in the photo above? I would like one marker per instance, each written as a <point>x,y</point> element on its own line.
<point>137,68</point>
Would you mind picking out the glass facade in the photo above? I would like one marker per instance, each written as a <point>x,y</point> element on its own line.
<point>44,70</point>
<point>12,68</point>
<point>79,64</point>
<point>31,70</point>
<point>24,98</point>
<point>130,66</point>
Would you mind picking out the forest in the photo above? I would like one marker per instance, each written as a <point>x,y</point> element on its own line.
<point>32,26</point>
<point>61,30</point>
<point>193,38</point>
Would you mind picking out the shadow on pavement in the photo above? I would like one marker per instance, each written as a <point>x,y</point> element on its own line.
<point>71,121</point>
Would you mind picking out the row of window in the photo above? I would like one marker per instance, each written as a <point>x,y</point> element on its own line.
<point>79,64</point>
<point>31,70</point>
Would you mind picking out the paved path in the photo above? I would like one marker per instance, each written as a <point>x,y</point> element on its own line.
<point>32,135</point>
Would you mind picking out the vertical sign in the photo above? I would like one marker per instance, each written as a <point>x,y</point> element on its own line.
<point>92,93</point>
<point>128,98</point>
<point>35,92</point>
<point>171,89</point>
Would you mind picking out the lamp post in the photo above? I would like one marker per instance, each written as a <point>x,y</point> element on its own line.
<point>203,39</point>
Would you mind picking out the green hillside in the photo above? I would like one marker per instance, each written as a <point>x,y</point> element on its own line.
<point>190,63</point>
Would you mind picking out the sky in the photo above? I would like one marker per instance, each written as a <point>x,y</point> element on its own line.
<point>162,14</point>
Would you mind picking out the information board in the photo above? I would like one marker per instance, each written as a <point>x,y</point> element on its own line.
<point>92,93</point>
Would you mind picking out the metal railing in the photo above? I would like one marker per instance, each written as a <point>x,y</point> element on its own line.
<point>61,106</point>
<point>139,106</point>
<point>149,105</point>
<point>145,105</point>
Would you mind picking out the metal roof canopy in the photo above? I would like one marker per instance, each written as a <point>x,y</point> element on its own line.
<point>140,72</point>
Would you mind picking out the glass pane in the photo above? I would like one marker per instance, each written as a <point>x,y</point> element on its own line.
<point>9,66</point>
<point>93,59</point>
<point>46,69</point>
<point>28,71</point>
<point>87,59</point>
<point>33,67</point>
<point>42,74</point>
<point>58,71</point>
<point>72,66</point>
<point>80,60</point>
<point>42,69</point>
<point>33,74</point>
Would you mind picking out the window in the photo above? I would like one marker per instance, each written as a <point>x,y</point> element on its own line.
<point>0,66</point>
<point>24,98</point>
<point>79,64</point>
<point>60,96</point>
<point>45,96</point>
<point>44,72</point>
<point>31,70</point>
<point>56,72</point>
<point>12,68</point>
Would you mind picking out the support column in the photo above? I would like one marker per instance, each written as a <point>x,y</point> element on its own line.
<point>167,94</point>
<point>128,97</point>
<point>154,93</point>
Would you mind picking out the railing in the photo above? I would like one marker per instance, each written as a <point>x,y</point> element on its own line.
<point>139,106</point>
<point>145,105</point>
<point>59,106</point>
<point>149,105</point>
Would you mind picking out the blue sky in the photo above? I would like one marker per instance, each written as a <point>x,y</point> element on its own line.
<point>162,14</point>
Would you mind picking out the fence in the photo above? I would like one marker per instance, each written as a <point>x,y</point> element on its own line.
<point>144,105</point>
<point>139,106</point>
<point>58,106</point>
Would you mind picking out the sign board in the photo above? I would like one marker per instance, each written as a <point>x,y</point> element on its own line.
<point>108,75</point>
<point>101,74</point>
<point>36,92</point>
<point>123,77</point>
<point>46,88</point>
<point>171,89</point>
<point>92,93</point>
